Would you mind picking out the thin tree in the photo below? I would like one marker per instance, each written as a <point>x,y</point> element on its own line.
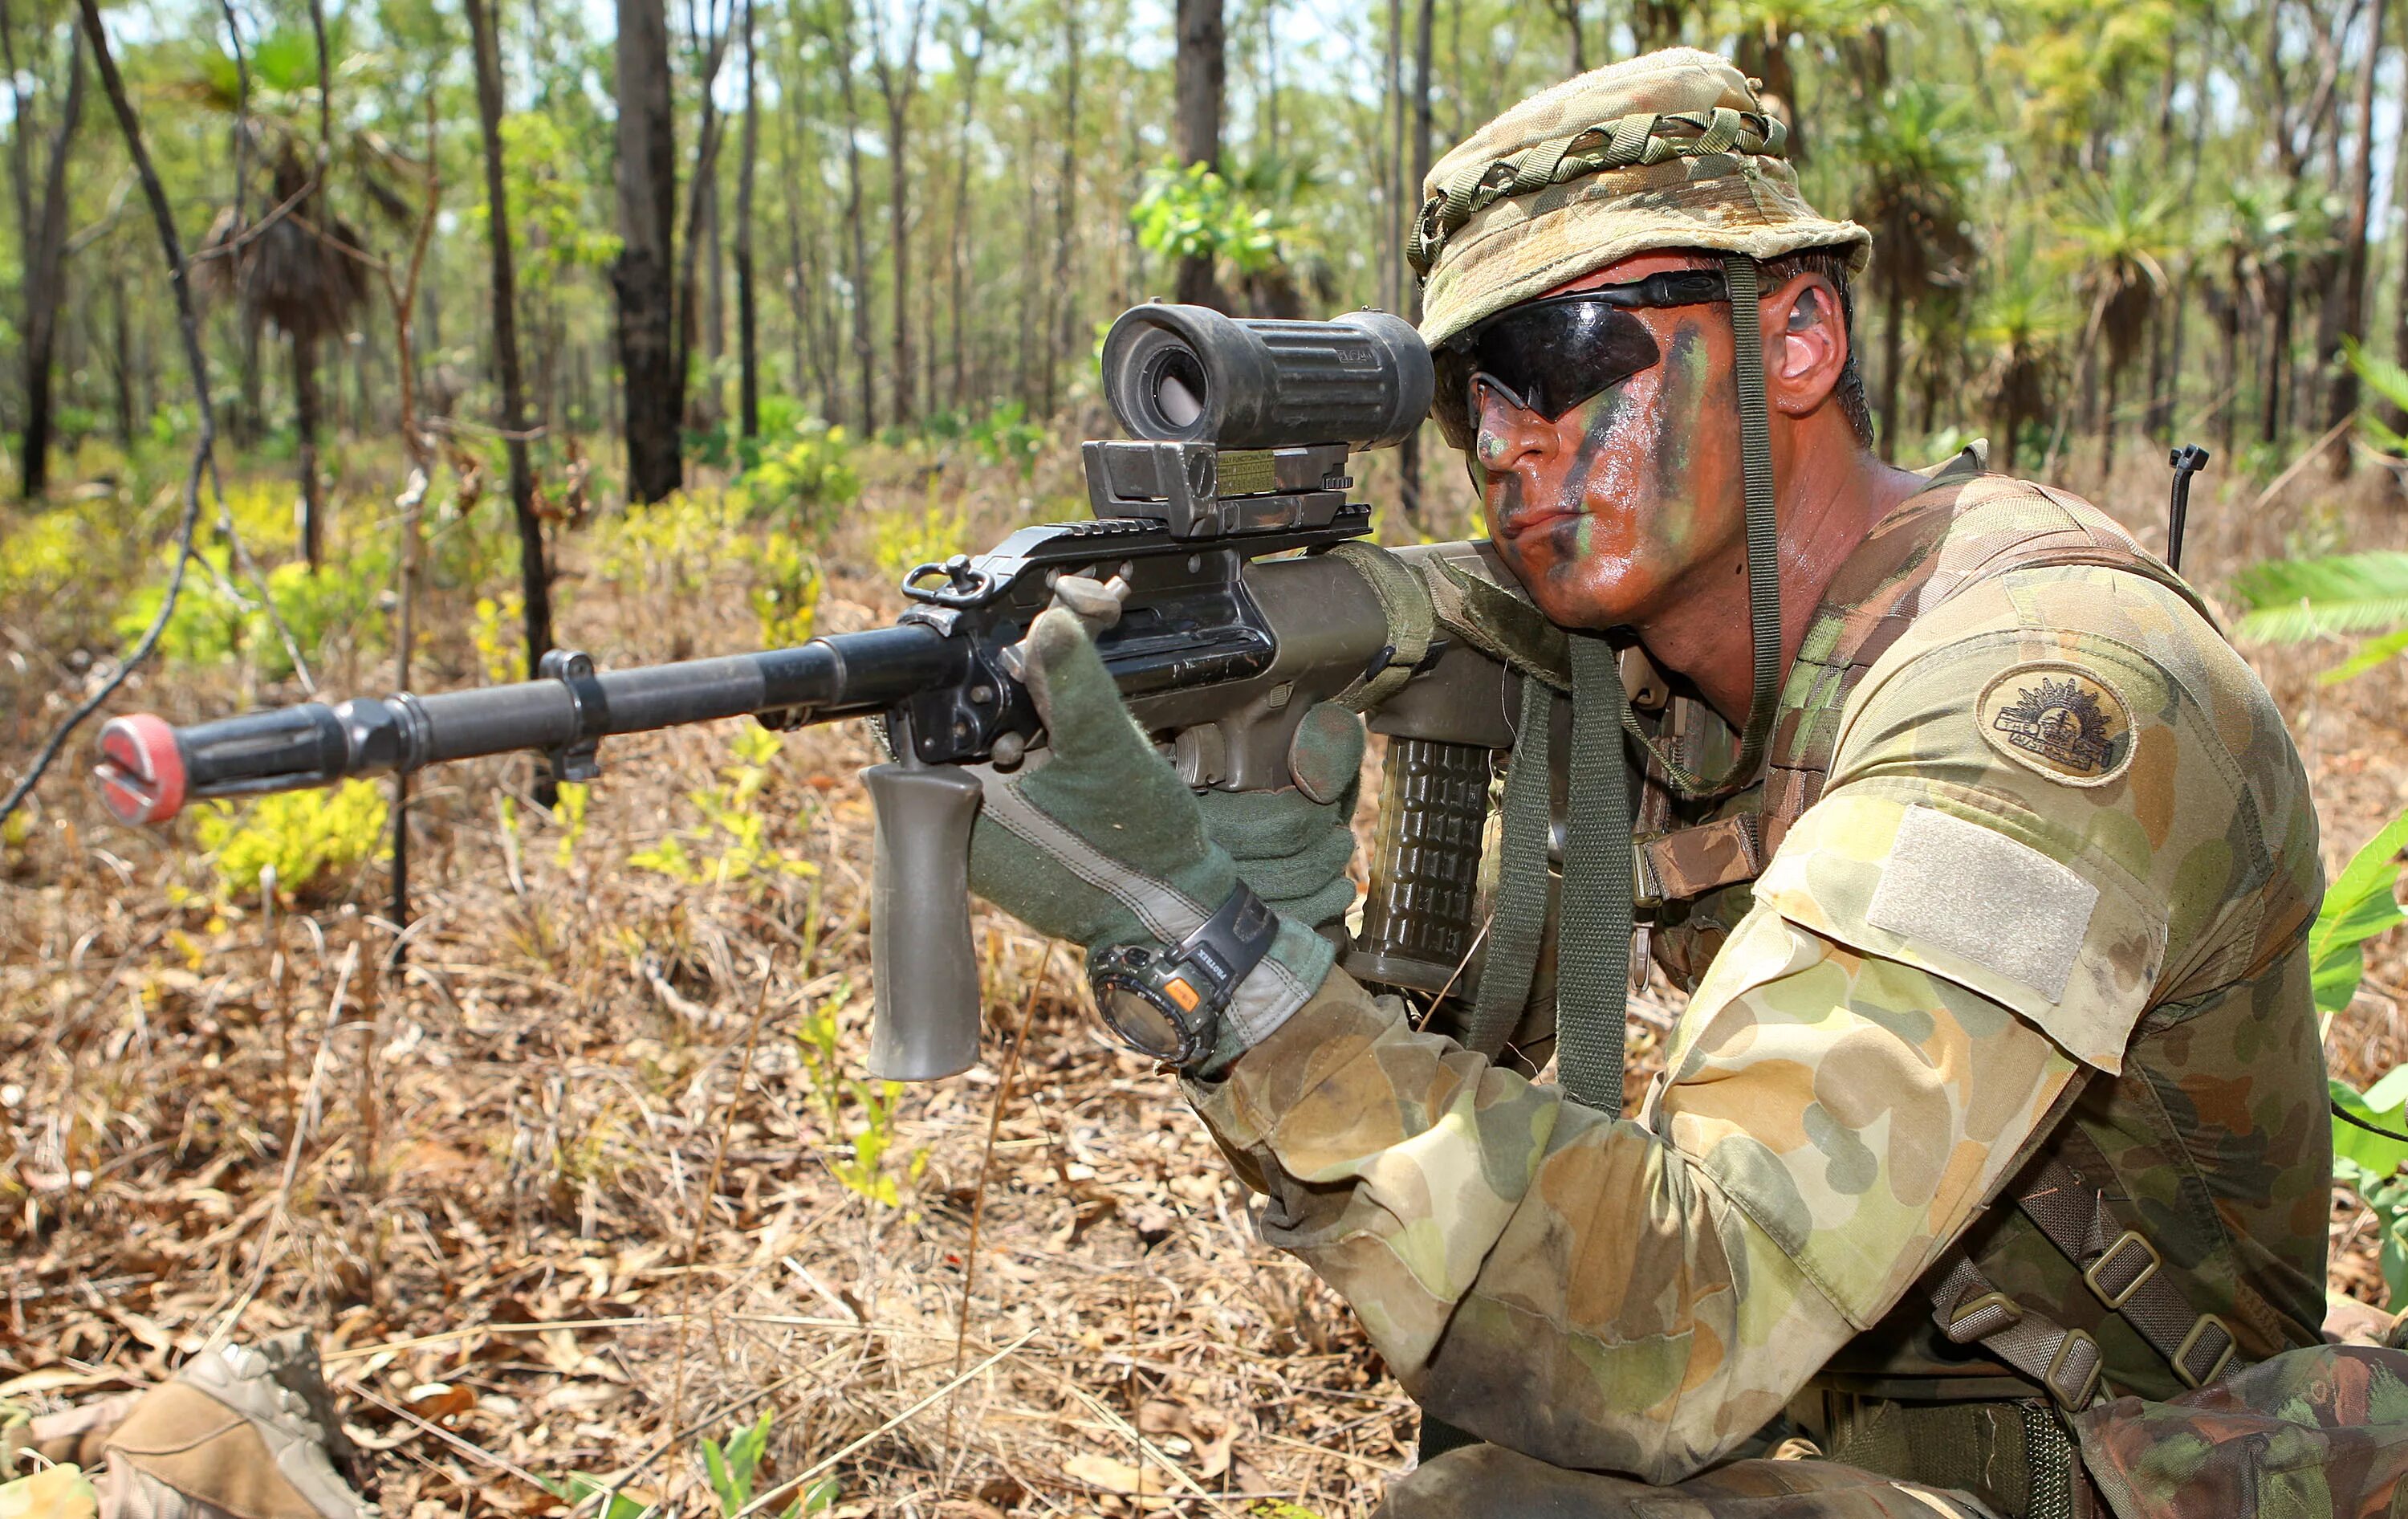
<point>702,194</point>
<point>898,81</point>
<point>651,386</point>
<point>1200,74</point>
<point>967,59</point>
<point>1066,201</point>
<point>748,317</point>
<point>857,271</point>
<point>1408,458</point>
<point>2348,319</point>
<point>41,242</point>
<point>534,571</point>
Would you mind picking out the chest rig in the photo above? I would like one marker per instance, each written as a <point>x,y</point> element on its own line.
<point>1694,864</point>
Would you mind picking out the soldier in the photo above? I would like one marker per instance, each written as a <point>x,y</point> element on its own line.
<point>1999,1091</point>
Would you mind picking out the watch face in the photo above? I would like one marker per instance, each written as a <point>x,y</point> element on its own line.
<point>1136,1017</point>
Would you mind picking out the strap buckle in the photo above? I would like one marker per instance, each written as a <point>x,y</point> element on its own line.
<point>2199,1339</point>
<point>2074,1371</point>
<point>1977,1319</point>
<point>2112,1265</point>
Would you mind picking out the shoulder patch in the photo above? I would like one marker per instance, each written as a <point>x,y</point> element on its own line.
<point>2058,720</point>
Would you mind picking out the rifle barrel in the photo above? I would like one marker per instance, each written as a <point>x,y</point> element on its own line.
<point>148,768</point>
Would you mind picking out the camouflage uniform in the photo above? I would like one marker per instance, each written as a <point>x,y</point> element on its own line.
<point>2045,894</point>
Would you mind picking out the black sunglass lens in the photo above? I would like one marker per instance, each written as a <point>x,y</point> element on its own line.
<point>1559,353</point>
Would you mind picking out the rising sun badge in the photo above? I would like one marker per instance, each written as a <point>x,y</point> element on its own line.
<point>2059,722</point>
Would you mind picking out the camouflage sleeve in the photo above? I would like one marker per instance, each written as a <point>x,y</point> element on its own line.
<point>1980,909</point>
<point>1600,1294</point>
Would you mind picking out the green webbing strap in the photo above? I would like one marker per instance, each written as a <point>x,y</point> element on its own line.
<point>1593,942</point>
<point>1593,937</point>
<point>1519,918</point>
<point>1405,603</point>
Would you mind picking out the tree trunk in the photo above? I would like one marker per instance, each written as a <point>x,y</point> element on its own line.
<point>858,272</point>
<point>701,223</point>
<point>120,333</point>
<point>748,316</point>
<point>534,571</point>
<point>304,418</point>
<point>967,60</point>
<point>1408,458</point>
<point>2278,350</point>
<point>1065,203</point>
<point>44,246</point>
<point>1893,362</point>
<point>896,95</point>
<point>644,278</point>
<point>1200,77</point>
<point>2227,411</point>
<point>2341,396</point>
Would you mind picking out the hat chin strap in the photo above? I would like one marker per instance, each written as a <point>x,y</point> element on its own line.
<point>1593,936</point>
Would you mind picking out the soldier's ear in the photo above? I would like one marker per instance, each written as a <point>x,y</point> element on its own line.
<point>1805,344</point>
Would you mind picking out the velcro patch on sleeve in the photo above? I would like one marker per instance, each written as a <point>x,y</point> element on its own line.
<point>1983,897</point>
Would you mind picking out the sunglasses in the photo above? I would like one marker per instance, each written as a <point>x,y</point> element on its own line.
<point>1547,356</point>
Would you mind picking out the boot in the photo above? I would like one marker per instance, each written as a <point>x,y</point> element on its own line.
<point>240,1433</point>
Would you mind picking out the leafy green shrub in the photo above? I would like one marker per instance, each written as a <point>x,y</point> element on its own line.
<point>1193,212</point>
<point>785,594</point>
<point>901,540</point>
<point>1007,436</point>
<point>2298,600</point>
<point>863,1112</point>
<point>804,477</point>
<point>42,550</point>
<point>732,844</point>
<point>2361,902</point>
<point>305,835</point>
<point>216,618</point>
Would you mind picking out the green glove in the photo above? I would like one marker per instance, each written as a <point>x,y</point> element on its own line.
<point>1094,839</point>
<point>1292,846</point>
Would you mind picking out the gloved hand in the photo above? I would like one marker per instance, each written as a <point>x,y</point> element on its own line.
<point>1292,846</point>
<point>1100,844</point>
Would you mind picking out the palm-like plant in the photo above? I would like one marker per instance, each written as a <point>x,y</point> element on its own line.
<point>1918,168</point>
<point>2120,235</point>
<point>280,253</point>
<point>2021,319</point>
<point>1764,29</point>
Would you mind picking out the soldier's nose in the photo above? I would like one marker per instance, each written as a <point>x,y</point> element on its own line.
<point>1508,432</point>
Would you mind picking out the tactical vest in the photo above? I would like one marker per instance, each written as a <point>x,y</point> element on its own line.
<point>2104,1260</point>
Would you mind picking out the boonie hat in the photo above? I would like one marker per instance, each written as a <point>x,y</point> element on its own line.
<point>1669,149</point>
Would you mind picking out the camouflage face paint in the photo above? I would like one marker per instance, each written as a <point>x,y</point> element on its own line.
<point>1615,516</point>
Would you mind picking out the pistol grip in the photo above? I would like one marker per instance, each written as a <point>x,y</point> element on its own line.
<point>925,973</point>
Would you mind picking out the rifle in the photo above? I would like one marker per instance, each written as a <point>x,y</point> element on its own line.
<point>1219,514</point>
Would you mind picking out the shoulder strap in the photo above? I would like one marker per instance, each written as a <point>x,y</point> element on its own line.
<point>2123,1271</point>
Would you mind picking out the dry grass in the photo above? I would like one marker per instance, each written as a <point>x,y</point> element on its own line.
<point>557,1208</point>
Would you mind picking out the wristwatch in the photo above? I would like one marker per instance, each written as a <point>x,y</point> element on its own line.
<point>1166,1002</point>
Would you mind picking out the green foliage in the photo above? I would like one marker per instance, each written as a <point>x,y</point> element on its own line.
<point>1007,436</point>
<point>2360,903</point>
<point>2370,1165</point>
<point>785,594</point>
<point>306,837</point>
<point>863,1112</point>
<point>553,231</point>
<point>2295,600</point>
<point>43,550</point>
<point>901,540</point>
<point>2389,384</point>
<point>734,1468</point>
<point>570,813</point>
<point>803,476</point>
<point>216,619</point>
<point>1193,212</point>
<point>731,844</point>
